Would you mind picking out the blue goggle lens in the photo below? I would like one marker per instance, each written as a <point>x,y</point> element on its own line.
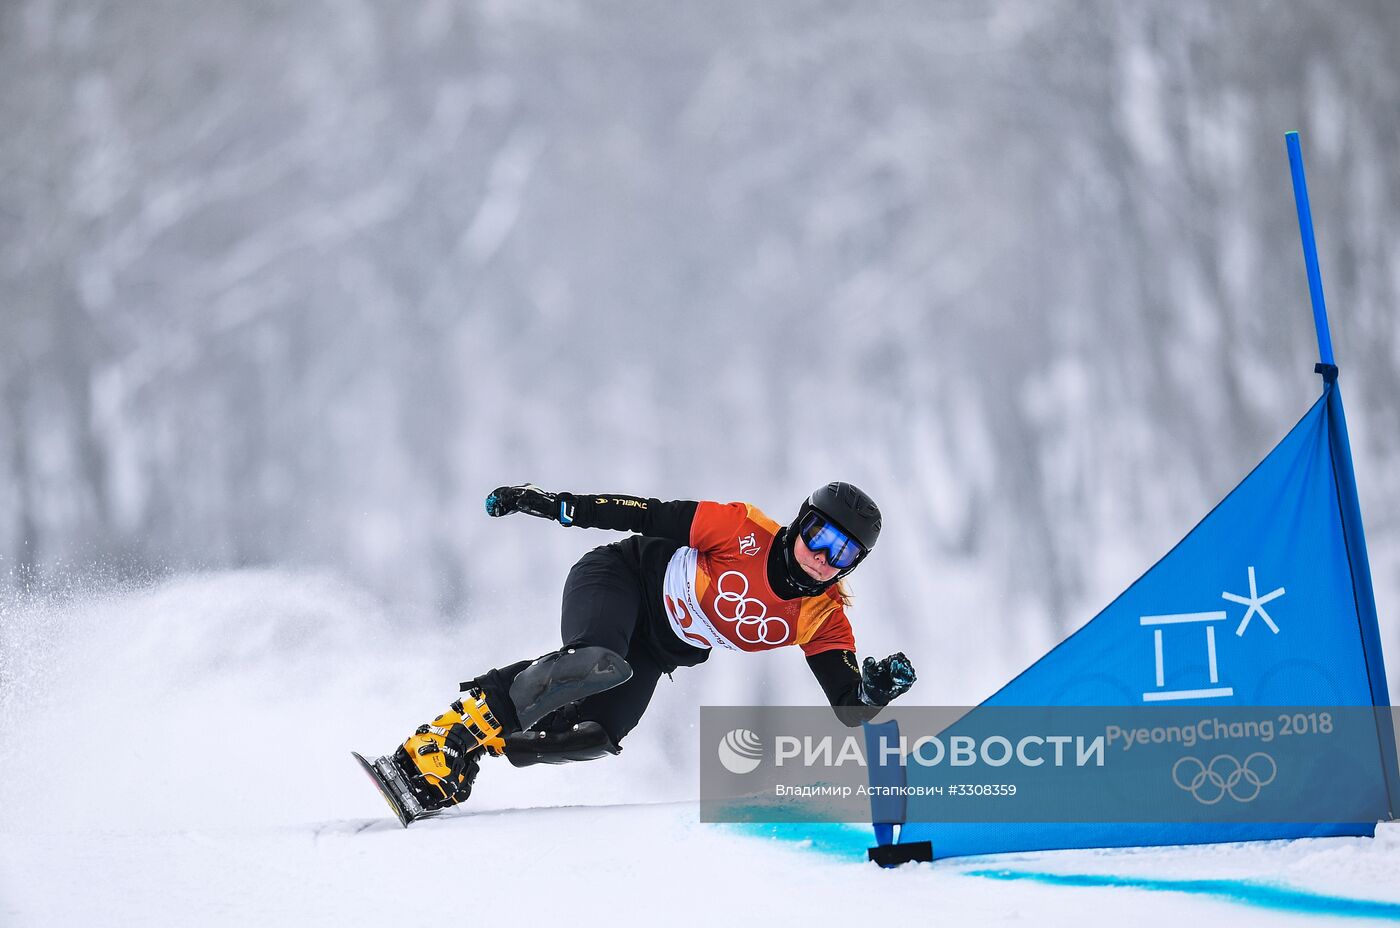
<point>819,534</point>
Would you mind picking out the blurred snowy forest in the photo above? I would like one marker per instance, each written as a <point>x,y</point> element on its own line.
<point>294,285</point>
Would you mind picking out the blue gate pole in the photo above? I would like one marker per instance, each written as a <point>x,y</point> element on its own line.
<point>1305,228</point>
<point>1354,534</point>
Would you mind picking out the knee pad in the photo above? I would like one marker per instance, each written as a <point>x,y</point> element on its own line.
<point>565,676</point>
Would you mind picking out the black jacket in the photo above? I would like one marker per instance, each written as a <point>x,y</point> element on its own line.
<point>661,527</point>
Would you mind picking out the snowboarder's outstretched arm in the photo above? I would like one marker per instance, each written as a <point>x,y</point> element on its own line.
<point>858,695</point>
<point>597,510</point>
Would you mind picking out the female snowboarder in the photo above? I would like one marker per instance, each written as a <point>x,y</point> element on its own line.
<point>696,576</point>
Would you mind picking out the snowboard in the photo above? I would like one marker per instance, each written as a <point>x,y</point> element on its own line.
<point>392,786</point>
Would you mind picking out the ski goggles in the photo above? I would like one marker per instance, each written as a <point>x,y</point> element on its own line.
<point>821,534</point>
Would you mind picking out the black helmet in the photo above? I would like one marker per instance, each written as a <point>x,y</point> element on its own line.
<point>849,509</point>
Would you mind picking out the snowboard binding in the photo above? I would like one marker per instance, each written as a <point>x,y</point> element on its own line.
<point>436,766</point>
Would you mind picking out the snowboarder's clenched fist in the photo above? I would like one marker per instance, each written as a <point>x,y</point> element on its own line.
<point>882,681</point>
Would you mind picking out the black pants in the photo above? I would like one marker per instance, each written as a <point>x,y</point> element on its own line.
<point>608,602</point>
<point>604,604</point>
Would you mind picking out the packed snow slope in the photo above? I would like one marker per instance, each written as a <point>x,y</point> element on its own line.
<point>179,755</point>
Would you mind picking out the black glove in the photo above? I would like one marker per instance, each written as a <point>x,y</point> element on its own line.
<point>531,500</point>
<point>882,681</point>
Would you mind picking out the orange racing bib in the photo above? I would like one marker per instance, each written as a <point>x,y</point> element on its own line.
<point>717,592</point>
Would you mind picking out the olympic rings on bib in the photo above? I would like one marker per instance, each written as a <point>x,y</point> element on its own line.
<point>749,615</point>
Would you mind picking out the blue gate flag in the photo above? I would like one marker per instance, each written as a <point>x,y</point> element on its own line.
<point>1266,602</point>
